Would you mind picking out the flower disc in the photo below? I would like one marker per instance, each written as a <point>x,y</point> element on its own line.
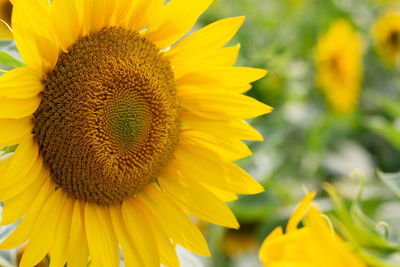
<point>394,40</point>
<point>109,116</point>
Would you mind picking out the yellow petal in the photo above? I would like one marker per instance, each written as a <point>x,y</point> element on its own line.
<point>293,248</point>
<point>299,213</point>
<point>130,250</point>
<point>20,83</point>
<point>140,232</point>
<point>21,181</point>
<point>95,14</point>
<point>143,12</point>
<point>67,23</point>
<point>234,78</point>
<point>103,245</point>
<point>208,169</point>
<point>224,195</point>
<point>197,201</point>
<point>33,32</point>
<point>174,20</point>
<point>240,179</point>
<point>224,175</point>
<point>213,36</point>
<point>225,57</point>
<point>18,108</point>
<point>165,247</point>
<point>59,248</point>
<point>175,223</point>
<point>44,230</point>
<point>336,252</point>
<point>25,155</point>
<point>264,249</point>
<point>91,23</point>
<point>13,131</point>
<point>228,129</point>
<point>78,251</point>
<point>121,12</point>
<point>16,207</point>
<point>227,149</point>
<point>24,229</point>
<point>200,167</point>
<point>222,104</point>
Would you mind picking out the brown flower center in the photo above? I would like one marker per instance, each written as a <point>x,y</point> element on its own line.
<point>394,39</point>
<point>108,122</point>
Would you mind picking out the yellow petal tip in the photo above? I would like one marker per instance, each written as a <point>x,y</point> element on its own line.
<point>267,109</point>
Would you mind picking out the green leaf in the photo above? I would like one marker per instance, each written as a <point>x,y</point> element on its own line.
<point>7,62</point>
<point>384,128</point>
<point>9,55</point>
<point>8,149</point>
<point>391,180</point>
<point>360,231</point>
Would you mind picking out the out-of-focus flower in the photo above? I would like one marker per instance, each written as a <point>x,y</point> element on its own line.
<point>338,58</point>
<point>5,15</point>
<point>386,33</point>
<point>313,245</point>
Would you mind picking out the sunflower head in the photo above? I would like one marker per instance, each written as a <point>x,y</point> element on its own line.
<point>113,103</point>
<point>386,33</point>
<point>339,73</point>
<point>122,130</point>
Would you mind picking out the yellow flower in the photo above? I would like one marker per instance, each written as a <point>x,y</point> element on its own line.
<point>386,33</point>
<point>122,131</point>
<point>5,15</point>
<point>339,74</point>
<point>313,245</point>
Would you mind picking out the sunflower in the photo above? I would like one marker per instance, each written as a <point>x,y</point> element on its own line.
<point>313,245</point>
<point>5,16</point>
<point>123,131</point>
<point>386,33</point>
<point>339,69</point>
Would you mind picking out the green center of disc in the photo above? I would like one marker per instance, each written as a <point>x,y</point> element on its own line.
<point>127,123</point>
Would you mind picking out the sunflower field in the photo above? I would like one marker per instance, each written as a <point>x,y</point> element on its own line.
<point>200,133</point>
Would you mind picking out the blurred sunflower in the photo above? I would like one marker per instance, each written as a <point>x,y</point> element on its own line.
<point>119,138</point>
<point>5,15</point>
<point>313,245</point>
<point>386,33</point>
<point>339,73</point>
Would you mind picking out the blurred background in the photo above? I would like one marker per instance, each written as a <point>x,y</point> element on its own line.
<point>336,110</point>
